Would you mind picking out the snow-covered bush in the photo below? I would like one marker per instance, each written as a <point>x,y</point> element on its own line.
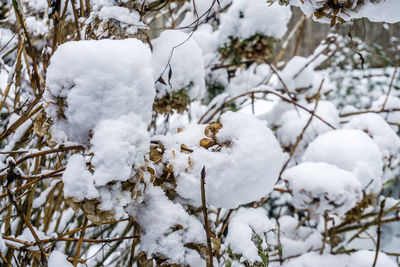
<point>188,133</point>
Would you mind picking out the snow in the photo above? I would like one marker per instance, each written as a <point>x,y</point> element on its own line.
<point>358,259</point>
<point>392,103</point>
<point>244,170</point>
<point>110,10</point>
<point>248,79</point>
<point>243,225</point>
<point>293,121</point>
<point>243,20</point>
<point>351,150</point>
<point>121,14</point>
<point>117,146</point>
<point>3,247</point>
<point>177,58</point>
<point>320,187</point>
<point>376,11</point>
<point>114,199</point>
<point>58,259</point>
<point>297,239</point>
<point>90,81</point>
<point>379,130</point>
<point>158,235</point>
<point>299,77</point>
<point>78,181</point>
<point>136,164</point>
<point>383,11</point>
<point>27,236</point>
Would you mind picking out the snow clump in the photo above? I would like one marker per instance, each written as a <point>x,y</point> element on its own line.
<point>90,81</point>
<point>321,187</point>
<point>350,150</point>
<point>242,159</point>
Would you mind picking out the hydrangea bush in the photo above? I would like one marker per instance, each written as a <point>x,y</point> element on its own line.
<point>186,133</point>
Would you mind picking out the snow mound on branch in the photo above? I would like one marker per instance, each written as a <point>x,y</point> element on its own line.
<point>378,11</point>
<point>297,239</point>
<point>380,131</point>
<point>110,10</point>
<point>58,259</point>
<point>243,19</point>
<point>382,11</point>
<point>243,225</point>
<point>168,234</point>
<point>322,187</point>
<point>78,181</point>
<point>118,145</point>
<point>350,150</point>
<point>245,170</point>
<point>300,78</point>
<point>90,81</point>
<point>247,79</point>
<point>293,121</point>
<point>178,59</point>
<point>360,258</point>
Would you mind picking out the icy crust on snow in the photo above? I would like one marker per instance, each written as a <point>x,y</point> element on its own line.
<point>321,187</point>
<point>243,171</point>
<point>360,258</point>
<point>58,259</point>
<point>118,145</point>
<point>350,150</point>
<point>90,81</point>
<point>243,225</point>
<point>166,227</point>
<point>378,11</point>
<point>379,130</point>
<point>178,60</point>
<point>292,122</point>
<point>243,19</point>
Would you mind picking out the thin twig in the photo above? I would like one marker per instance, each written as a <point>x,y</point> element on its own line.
<point>206,222</point>
<point>378,232</point>
<point>78,249</point>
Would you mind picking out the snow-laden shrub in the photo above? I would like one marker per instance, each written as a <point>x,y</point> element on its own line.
<point>194,133</point>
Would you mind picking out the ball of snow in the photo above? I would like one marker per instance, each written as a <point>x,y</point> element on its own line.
<point>162,236</point>
<point>78,181</point>
<point>380,131</point>
<point>376,11</point>
<point>293,121</point>
<point>243,225</point>
<point>300,77</point>
<point>297,239</point>
<point>118,145</point>
<point>243,19</point>
<point>321,187</point>
<point>245,169</point>
<point>178,59</point>
<point>351,150</point>
<point>90,81</point>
